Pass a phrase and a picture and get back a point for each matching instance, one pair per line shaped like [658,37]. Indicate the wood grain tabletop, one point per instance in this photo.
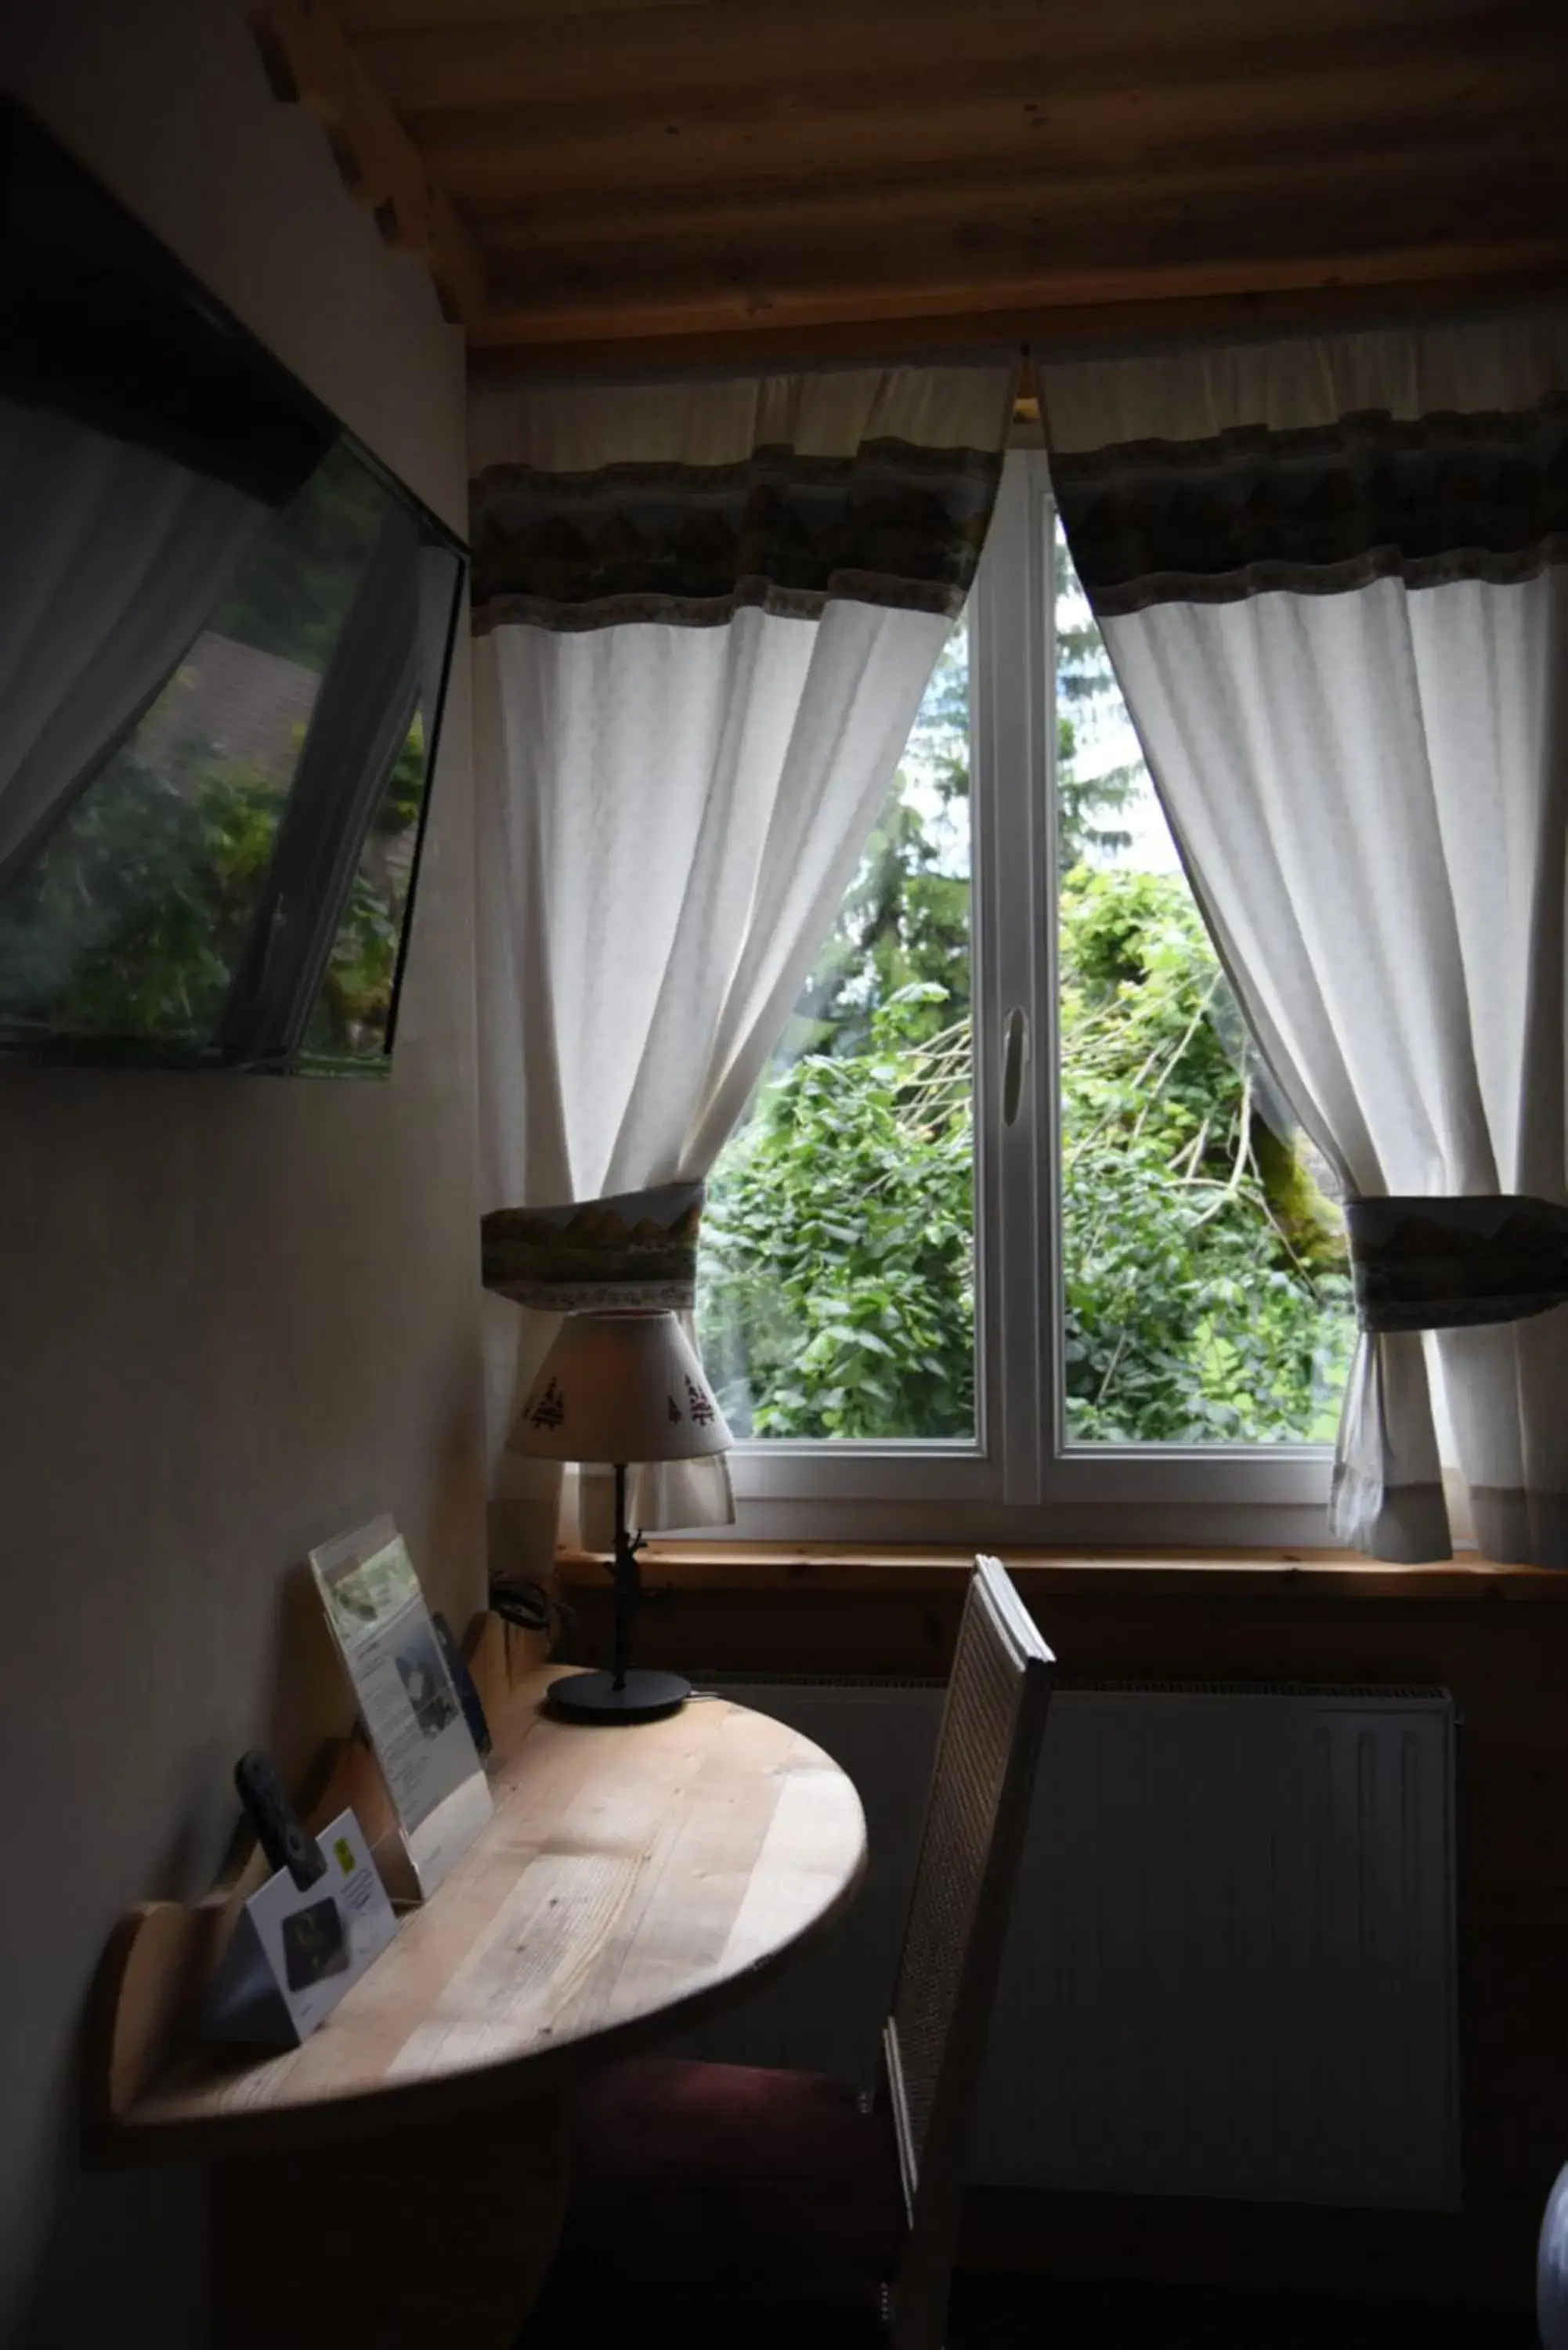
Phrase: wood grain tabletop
[633,1878]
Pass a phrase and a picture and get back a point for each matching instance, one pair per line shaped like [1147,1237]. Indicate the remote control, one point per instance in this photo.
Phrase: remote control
[282,1836]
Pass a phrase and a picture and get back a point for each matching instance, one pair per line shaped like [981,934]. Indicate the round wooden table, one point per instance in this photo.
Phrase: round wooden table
[633,1878]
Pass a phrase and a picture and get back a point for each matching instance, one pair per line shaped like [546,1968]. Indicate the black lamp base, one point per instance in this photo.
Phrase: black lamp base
[644,1695]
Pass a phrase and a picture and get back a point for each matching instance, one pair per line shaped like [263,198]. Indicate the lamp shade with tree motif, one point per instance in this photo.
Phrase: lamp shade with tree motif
[619,1388]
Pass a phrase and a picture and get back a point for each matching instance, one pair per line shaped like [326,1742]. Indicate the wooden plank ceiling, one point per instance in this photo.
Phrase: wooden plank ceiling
[697,174]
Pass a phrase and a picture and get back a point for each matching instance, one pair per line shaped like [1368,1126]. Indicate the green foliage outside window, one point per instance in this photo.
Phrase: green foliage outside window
[1205,1291]
[838,1259]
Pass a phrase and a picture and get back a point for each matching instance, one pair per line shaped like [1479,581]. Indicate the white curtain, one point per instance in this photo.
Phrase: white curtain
[1335,596]
[111,557]
[670,808]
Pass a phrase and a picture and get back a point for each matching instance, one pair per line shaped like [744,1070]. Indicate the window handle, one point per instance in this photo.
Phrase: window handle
[1014,1061]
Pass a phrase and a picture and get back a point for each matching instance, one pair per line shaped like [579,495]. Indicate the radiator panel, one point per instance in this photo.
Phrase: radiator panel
[1230,1970]
[1230,1966]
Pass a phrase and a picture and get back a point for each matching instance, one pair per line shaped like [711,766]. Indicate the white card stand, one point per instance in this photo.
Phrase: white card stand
[293,1953]
[446,1833]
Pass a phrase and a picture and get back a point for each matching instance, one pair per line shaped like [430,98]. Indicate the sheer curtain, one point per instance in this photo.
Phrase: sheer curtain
[111,557]
[1330,576]
[705,616]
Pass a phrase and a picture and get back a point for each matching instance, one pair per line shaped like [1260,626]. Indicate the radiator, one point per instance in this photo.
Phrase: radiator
[1230,1969]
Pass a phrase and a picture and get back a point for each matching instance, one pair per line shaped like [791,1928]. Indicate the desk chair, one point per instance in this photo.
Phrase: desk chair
[722,2203]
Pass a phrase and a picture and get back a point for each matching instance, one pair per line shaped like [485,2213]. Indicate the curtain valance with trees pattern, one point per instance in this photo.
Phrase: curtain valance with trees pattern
[779,493]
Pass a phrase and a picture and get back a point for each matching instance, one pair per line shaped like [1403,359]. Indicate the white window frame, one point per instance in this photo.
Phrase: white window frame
[1018,1480]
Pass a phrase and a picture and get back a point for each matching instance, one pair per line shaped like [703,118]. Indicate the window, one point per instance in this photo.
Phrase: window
[1017,1239]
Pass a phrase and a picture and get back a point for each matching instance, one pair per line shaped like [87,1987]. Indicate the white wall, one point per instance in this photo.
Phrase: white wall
[238,1314]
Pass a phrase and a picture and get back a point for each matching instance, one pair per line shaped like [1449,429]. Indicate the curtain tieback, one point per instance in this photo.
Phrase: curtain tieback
[1448,1263]
[638,1249]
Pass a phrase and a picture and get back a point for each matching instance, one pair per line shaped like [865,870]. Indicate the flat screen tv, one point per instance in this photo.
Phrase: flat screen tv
[225,632]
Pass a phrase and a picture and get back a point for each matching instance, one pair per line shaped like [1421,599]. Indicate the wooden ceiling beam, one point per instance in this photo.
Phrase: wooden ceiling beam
[1063,23]
[721,309]
[492,159]
[358,16]
[309,62]
[1061,327]
[674,55]
[1448,175]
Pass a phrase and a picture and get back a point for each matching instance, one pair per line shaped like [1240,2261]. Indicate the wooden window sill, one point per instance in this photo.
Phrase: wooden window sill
[1202,1575]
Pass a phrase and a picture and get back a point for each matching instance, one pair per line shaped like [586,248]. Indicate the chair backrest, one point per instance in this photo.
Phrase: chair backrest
[934,2040]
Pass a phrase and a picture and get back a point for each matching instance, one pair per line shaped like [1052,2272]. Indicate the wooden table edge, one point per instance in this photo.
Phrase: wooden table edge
[122,2140]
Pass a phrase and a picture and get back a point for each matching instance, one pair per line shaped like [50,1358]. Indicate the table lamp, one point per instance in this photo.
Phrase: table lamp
[620,1387]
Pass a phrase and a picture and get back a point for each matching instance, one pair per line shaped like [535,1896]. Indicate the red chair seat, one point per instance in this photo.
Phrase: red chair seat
[730,2192]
